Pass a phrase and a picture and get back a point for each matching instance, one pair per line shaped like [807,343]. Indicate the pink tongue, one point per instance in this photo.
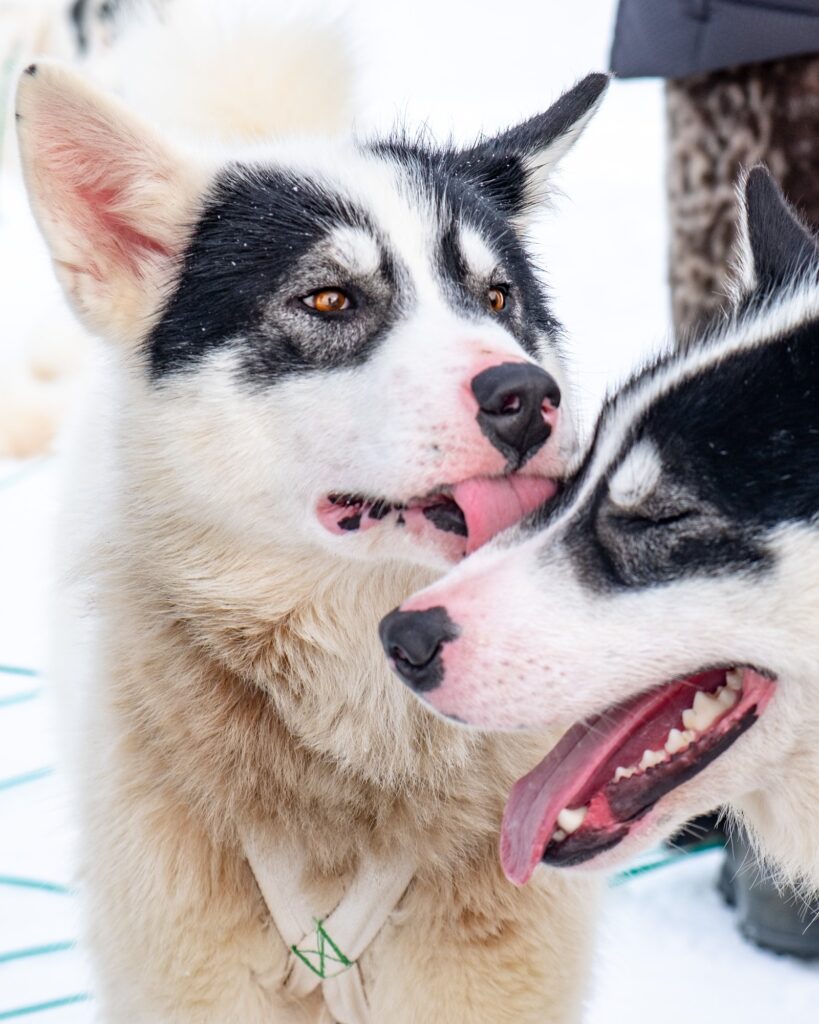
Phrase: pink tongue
[493,504]
[558,781]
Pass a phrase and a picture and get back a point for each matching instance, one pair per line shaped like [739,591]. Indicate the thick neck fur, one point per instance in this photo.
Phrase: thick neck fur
[275,654]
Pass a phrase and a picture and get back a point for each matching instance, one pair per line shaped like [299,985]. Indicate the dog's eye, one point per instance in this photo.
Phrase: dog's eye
[638,520]
[328,300]
[496,297]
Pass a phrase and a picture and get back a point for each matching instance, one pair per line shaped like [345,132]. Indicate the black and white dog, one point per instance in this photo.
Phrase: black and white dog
[331,372]
[668,602]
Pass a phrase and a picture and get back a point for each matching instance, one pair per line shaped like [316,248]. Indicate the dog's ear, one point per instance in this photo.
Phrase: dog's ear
[774,246]
[513,168]
[115,204]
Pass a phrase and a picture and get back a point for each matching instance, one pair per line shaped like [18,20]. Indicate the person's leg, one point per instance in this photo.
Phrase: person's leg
[719,124]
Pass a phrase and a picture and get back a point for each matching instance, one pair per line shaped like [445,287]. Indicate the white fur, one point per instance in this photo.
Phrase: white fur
[636,476]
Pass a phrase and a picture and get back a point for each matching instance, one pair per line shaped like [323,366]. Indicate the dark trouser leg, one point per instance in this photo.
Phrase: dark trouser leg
[719,124]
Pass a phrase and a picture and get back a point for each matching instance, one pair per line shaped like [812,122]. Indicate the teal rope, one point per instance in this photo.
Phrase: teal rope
[14,882]
[26,695]
[19,698]
[16,670]
[661,862]
[26,954]
[55,1004]
[22,780]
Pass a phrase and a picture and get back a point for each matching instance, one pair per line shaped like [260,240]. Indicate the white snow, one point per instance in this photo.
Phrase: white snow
[668,949]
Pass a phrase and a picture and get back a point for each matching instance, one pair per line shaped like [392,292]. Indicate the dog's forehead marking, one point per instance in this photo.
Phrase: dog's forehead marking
[476,252]
[637,475]
[356,249]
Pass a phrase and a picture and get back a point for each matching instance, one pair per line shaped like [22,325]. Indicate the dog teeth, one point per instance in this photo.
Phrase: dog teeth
[733,679]
[704,712]
[676,742]
[727,697]
[570,819]
[651,758]
[706,709]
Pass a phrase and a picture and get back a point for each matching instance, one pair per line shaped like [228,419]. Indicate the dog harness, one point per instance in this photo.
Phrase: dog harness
[325,949]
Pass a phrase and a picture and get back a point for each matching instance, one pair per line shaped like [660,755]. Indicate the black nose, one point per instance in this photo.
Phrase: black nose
[413,640]
[511,398]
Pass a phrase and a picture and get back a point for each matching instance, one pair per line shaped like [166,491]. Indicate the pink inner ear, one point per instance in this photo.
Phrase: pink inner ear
[113,232]
[103,179]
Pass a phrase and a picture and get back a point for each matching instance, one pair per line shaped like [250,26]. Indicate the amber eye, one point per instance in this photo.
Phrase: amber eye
[496,298]
[328,300]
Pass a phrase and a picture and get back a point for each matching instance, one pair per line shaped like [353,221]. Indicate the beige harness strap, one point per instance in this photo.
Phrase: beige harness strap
[325,950]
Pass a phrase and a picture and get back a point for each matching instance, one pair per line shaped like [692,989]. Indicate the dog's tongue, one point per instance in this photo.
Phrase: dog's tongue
[563,779]
[493,504]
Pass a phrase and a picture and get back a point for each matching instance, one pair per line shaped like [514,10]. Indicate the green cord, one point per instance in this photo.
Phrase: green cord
[54,1004]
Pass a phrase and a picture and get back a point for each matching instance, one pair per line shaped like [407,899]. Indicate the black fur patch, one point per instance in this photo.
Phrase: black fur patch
[258,228]
[739,446]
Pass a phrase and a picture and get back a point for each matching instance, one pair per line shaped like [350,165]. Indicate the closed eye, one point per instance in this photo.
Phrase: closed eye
[638,519]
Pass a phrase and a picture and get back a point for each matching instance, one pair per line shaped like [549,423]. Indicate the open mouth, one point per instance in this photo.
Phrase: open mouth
[471,512]
[607,773]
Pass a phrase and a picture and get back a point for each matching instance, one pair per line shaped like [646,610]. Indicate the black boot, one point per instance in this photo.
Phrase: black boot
[774,918]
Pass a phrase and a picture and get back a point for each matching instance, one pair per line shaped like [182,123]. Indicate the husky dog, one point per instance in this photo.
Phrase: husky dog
[331,373]
[668,602]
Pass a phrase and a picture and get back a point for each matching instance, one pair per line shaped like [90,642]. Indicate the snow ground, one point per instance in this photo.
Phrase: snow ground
[667,949]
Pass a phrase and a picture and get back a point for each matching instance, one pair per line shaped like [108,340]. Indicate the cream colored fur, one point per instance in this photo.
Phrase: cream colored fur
[223,675]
